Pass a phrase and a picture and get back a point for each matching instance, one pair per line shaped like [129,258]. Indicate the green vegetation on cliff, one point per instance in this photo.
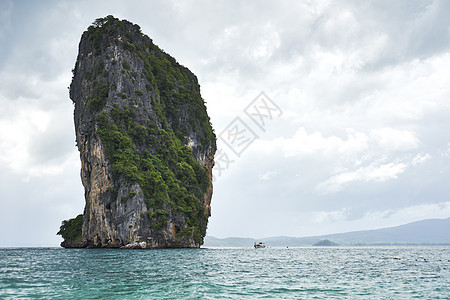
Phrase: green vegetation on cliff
[70,229]
[175,87]
[167,172]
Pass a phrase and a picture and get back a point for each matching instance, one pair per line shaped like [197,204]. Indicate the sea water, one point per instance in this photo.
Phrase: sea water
[272,273]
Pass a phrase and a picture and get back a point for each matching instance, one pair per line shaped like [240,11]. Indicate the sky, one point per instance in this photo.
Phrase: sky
[331,116]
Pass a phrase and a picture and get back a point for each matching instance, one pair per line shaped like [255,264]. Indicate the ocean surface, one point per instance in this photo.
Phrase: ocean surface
[236,273]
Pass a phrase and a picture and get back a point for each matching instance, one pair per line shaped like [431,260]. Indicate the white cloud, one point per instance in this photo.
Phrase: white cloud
[36,127]
[420,159]
[266,45]
[267,175]
[260,47]
[315,143]
[376,172]
[394,140]
[354,145]
[21,137]
[445,152]
[330,216]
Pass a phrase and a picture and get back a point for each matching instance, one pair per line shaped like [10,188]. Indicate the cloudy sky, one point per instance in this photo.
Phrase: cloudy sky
[355,110]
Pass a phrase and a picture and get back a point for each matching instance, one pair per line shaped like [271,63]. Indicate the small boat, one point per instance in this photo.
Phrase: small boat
[259,245]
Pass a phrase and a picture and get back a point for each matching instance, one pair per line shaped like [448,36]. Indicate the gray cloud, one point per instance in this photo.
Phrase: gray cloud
[363,86]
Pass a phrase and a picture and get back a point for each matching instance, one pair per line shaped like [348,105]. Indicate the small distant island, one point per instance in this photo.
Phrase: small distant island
[325,243]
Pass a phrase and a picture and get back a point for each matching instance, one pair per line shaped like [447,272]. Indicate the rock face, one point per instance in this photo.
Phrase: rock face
[145,140]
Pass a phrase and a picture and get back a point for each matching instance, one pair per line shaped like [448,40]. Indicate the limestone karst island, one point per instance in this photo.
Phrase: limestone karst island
[146,144]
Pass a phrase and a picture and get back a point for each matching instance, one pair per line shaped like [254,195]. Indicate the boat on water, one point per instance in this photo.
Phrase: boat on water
[259,245]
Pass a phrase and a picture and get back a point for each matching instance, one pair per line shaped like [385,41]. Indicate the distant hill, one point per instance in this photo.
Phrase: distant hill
[325,243]
[432,231]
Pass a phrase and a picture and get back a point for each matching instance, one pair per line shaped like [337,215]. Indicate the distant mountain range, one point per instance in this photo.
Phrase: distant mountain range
[426,232]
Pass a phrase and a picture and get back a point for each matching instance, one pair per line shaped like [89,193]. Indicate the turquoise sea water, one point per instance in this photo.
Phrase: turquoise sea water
[273,273]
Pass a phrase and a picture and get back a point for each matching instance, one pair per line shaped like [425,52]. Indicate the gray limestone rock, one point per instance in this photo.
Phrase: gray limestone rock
[145,141]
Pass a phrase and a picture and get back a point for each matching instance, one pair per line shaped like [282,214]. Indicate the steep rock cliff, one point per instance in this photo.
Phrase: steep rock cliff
[145,141]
